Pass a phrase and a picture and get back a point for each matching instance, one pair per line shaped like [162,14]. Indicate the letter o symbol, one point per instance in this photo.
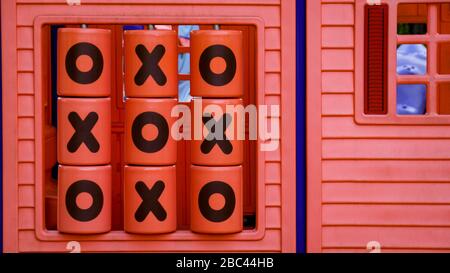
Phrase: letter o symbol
[230,201]
[94,53]
[150,146]
[205,70]
[84,215]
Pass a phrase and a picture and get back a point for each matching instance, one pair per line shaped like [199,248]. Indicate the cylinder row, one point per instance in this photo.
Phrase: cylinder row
[151,88]
[216,170]
[84,130]
[150,151]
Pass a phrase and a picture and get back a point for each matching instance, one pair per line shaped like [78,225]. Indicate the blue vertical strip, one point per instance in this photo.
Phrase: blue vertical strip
[301,125]
[1,150]
[54,76]
[54,70]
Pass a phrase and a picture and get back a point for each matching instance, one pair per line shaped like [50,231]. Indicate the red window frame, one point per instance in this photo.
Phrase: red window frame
[431,78]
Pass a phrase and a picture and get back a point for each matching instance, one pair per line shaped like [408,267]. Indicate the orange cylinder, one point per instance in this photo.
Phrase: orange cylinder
[84,131]
[217,147]
[151,63]
[84,199]
[150,199]
[217,63]
[84,62]
[148,139]
[216,199]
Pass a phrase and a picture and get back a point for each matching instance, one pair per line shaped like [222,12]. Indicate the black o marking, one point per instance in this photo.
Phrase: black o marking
[90,187]
[140,142]
[205,70]
[203,201]
[97,63]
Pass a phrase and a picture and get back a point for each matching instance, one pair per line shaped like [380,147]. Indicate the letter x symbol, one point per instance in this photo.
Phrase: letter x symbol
[83,132]
[223,143]
[150,65]
[150,201]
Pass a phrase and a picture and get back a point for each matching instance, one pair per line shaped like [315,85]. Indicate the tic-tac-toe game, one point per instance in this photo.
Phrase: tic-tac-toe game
[232,127]
[149,126]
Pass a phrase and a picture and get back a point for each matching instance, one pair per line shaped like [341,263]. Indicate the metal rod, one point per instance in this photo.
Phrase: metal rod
[216,27]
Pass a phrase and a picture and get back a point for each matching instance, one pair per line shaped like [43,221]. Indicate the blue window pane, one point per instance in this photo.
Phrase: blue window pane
[411,99]
[412,59]
[184,91]
[133,27]
[184,63]
[184,31]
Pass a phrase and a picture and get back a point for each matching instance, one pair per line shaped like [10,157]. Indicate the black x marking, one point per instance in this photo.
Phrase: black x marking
[150,201]
[83,132]
[223,142]
[150,65]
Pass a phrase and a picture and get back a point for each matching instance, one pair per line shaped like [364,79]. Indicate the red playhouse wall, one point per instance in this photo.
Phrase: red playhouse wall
[30,141]
[375,182]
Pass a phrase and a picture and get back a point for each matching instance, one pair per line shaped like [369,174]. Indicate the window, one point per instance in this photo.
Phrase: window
[251,206]
[184,85]
[411,60]
[406,78]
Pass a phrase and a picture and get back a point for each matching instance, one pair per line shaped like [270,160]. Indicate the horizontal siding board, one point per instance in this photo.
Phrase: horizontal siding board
[387,193]
[26,196]
[345,127]
[25,60]
[25,37]
[25,83]
[273,217]
[273,100]
[337,59]
[25,106]
[337,37]
[391,237]
[26,174]
[25,151]
[273,38]
[270,13]
[26,218]
[386,215]
[273,61]
[337,82]
[272,83]
[274,155]
[385,170]
[386,149]
[273,195]
[25,128]
[337,14]
[273,172]
[273,127]
[337,104]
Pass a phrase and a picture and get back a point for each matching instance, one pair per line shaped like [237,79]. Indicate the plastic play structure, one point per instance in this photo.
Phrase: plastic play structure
[91,88]
[89,91]
[378,134]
